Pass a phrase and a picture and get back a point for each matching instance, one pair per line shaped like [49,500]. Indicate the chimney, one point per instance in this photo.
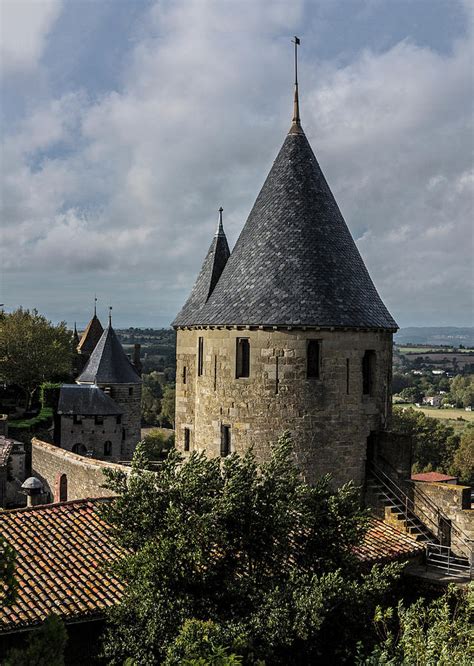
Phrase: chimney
[33,489]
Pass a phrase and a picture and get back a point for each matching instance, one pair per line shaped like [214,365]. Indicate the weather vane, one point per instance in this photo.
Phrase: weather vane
[296,109]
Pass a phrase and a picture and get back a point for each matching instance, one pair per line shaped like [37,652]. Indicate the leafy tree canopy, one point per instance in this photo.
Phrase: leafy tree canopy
[463,459]
[33,350]
[253,550]
[438,633]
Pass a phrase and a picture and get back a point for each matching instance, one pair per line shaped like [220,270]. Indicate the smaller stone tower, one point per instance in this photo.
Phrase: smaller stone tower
[109,368]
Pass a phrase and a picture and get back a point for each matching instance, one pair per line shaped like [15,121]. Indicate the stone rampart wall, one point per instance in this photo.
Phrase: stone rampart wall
[85,476]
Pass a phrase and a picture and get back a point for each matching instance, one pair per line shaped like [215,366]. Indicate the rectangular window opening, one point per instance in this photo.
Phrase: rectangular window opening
[368,372]
[242,358]
[99,420]
[184,374]
[347,375]
[225,441]
[313,359]
[200,356]
[215,372]
[187,439]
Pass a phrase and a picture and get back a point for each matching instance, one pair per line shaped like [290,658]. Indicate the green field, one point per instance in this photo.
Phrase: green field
[409,349]
[444,414]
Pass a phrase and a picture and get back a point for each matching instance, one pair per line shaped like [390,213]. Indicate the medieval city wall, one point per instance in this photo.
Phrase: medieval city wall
[85,476]
[329,417]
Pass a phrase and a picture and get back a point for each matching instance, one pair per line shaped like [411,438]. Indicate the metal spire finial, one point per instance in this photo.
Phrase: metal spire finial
[110,315]
[296,124]
[95,305]
[220,226]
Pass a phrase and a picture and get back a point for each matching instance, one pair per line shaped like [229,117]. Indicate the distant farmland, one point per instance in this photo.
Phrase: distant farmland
[442,414]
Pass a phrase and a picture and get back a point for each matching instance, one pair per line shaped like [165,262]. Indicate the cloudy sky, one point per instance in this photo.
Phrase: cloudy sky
[127,123]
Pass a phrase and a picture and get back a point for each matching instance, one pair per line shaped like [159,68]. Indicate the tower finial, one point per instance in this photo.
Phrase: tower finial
[296,124]
[220,226]
[110,315]
[95,305]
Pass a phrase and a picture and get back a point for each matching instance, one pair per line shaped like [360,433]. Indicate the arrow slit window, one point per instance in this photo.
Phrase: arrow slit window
[242,358]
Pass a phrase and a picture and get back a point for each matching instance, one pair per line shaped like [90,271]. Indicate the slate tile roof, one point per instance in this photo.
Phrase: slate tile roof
[209,275]
[108,363]
[91,336]
[383,543]
[295,262]
[61,550]
[86,400]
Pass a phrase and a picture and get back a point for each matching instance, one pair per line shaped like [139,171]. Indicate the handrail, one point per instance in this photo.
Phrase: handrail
[434,507]
[407,501]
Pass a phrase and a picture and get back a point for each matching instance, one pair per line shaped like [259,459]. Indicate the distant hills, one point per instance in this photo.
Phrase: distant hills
[436,335]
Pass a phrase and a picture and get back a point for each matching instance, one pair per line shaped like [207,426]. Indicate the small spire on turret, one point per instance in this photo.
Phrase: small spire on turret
[110,315]
[76,335]
[220,226]
[95,305]
[296,122]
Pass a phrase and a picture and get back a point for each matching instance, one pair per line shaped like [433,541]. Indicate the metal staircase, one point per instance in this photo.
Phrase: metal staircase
[421,524]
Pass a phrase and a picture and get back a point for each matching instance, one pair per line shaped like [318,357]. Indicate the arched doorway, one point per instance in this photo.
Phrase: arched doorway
[80,449]
[60,488]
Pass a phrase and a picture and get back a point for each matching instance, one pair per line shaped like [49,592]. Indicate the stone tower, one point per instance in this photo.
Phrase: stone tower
[109,369]
[86,345]
[287,332]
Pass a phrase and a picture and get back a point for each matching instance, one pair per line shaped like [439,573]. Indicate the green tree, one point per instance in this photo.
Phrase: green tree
[33,350]
[156,444]
[201,644]
[461,391]
[253,549]
[438,633]
[44,646]
[463,458]
[433,441]
[168,405]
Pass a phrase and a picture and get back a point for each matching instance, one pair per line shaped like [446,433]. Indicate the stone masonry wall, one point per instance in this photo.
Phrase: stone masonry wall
[454,502]
[92,435]
[329,417]
[85,476]
[129,397]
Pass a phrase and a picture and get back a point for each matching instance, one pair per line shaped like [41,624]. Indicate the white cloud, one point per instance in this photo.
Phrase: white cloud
[132,181]
[25,25]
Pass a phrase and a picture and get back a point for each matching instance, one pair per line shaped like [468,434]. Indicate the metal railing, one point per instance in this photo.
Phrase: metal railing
[442,558]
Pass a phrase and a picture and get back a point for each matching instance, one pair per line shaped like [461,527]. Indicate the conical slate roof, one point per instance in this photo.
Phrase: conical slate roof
[209,275]
[108,363]
[295,262]
[91,336]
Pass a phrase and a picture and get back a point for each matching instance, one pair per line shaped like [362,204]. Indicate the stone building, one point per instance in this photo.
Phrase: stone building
[109,370]
[287,332]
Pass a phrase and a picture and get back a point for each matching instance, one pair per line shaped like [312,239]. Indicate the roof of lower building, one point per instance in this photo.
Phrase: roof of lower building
[295,262]
[86,400]
[91,336]
[433,477]
[108,363]
[384,543]
[61,551]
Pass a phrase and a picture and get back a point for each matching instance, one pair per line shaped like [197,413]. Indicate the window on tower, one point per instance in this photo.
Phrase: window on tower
[368,372]
[313,359]
[225,441]
[242,358]
[107,448]
[187,439]
[200,356]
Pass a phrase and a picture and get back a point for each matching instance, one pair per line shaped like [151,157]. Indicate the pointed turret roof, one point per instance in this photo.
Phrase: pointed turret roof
[207,279]
[108,363]
[91,336]
[295,262]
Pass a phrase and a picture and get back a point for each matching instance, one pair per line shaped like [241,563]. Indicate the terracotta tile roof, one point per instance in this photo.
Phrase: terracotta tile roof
[383,543]
[61,549]
[433,477]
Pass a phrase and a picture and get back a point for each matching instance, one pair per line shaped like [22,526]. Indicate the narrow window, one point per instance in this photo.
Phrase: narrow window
[184,374]
[277,378]
[313,359]
[99,420]
[107,448]
[225,441]
[368,372]
[77,420]
[347,375]
[123,434]
[242,358]
[200,356]
[187,439]
[130,391]
[119,419]
[215,372]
